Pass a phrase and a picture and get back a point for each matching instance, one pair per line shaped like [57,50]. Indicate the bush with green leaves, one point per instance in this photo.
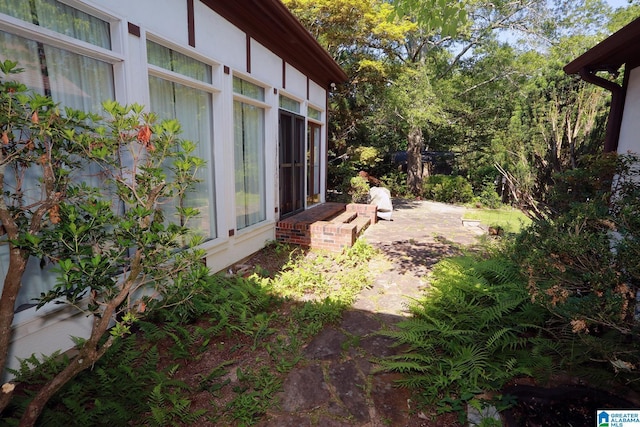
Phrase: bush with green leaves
[447,189]
[359,190]
[214,296]
[474,330]
[592,179]
[107,238]
[488,197]
[396,183]
[582,265]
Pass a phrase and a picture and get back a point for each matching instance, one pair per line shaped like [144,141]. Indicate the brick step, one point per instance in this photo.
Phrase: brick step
[344,217]
[361,223]
[328,226]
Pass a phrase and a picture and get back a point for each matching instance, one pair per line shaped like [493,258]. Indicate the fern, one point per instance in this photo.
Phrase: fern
[112,393]
[38,370]
[474,330]
[152,331]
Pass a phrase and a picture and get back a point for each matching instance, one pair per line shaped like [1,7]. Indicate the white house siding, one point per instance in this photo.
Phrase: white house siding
[317,95]
[223,46]
[265,65]
[296,81]
[630,127]
[218,38]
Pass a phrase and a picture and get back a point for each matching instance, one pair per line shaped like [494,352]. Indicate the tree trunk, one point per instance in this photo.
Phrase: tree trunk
[414,161]
[91,351]
[12,282]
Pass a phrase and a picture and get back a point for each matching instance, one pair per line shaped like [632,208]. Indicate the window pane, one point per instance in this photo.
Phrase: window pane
[193,109]
[17,9]
[62,18]
[73,80]
[314,114]
[174,61]
[249,164]
[248,89]
[289,104]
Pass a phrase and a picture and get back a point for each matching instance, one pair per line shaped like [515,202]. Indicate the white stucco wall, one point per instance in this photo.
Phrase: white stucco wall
[317,96]
[218,39]
[296,82]
[167,17]
[265,65]
[630,129]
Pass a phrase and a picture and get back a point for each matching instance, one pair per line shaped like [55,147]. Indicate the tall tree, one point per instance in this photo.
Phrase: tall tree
[412,102]
[362,36]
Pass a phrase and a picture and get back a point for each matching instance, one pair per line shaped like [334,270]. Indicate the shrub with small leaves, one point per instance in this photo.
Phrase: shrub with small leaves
[582,265]
[359,190]
[447,189]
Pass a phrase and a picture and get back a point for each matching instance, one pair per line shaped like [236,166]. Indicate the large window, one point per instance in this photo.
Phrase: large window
[191,103]
[53,67]
[61,18]
[249,151]
[313,163]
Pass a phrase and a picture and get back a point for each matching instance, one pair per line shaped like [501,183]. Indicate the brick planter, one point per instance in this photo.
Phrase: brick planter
[330,226]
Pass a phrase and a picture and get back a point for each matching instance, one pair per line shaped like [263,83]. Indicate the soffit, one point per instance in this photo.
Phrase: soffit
[270,23]
[620,48]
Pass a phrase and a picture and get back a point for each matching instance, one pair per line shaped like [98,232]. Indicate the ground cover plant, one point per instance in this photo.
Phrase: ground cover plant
[211,354]
[475,330]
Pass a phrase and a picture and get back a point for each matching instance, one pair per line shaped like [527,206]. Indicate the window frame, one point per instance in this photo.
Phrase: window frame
[266,109]
[115,57]
[213,90]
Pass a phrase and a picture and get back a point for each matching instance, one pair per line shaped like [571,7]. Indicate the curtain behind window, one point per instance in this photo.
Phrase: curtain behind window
[249,164]
[71,80]
[193,109]
[61,18]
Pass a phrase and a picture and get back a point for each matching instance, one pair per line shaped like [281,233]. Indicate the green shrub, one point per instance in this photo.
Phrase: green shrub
[592,179]
[396,183]
[474,330]
[488,196]
[221,299]
[339,175]
[359,190]
[582,265]
[447,189]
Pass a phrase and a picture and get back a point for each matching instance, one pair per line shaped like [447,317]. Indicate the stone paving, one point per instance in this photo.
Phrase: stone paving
[337,384]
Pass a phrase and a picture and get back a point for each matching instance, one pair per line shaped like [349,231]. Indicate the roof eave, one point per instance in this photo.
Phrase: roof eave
[610,54]
[271,24]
